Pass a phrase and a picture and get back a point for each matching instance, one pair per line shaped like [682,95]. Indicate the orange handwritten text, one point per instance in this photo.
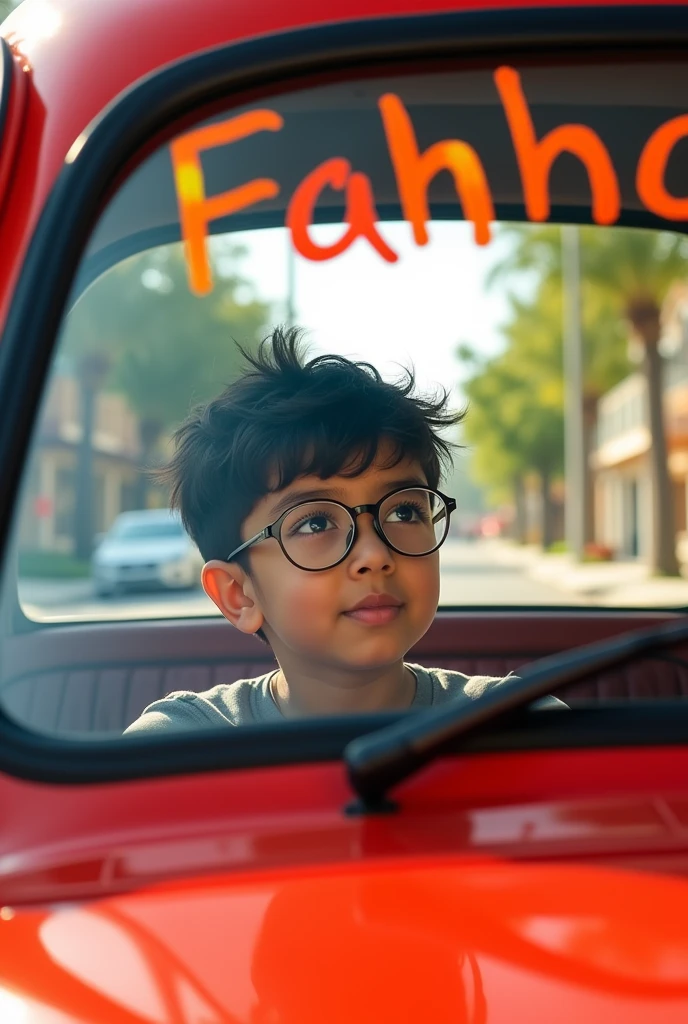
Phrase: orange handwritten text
[535,158]
[360,213]
[195,209]
[652,166]
[414,172]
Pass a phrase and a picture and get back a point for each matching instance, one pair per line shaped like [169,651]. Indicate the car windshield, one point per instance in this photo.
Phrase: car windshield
[487,323]
[388,345]
[145,531]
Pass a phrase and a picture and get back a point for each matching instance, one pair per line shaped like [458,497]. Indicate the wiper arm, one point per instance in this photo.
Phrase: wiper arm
[380,760]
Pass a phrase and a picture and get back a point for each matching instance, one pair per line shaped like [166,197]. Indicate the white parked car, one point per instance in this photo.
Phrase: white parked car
[147,548]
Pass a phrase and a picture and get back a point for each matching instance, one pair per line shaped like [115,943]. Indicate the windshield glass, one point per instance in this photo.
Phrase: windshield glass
[487,323]
[387,346]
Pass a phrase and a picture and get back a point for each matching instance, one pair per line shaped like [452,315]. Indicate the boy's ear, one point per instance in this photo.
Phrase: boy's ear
[230,588]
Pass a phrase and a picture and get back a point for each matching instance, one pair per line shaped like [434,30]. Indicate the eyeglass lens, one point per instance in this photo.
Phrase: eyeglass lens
[318,534]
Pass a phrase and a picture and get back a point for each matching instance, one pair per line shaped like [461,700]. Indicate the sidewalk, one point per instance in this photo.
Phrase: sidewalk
[624,584]
[51,592]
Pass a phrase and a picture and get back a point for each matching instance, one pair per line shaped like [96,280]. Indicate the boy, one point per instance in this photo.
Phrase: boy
[310,488]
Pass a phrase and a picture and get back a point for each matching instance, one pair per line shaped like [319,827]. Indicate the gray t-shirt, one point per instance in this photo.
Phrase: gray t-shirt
[250,702]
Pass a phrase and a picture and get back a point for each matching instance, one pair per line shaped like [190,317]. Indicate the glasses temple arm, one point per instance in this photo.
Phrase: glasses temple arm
[449,507]
[247,543]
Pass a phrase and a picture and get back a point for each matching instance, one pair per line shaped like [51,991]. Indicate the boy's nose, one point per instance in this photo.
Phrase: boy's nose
[369,553]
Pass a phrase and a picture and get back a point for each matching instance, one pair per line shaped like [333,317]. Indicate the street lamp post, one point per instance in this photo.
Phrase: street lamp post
[291,282]
[574,430]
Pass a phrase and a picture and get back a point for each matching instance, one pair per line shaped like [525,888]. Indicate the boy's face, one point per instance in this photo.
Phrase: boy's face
[308,617]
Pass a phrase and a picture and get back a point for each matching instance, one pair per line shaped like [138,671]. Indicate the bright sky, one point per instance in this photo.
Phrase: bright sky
[416,310]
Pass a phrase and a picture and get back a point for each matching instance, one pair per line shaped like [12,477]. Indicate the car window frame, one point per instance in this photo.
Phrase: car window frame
[150,111]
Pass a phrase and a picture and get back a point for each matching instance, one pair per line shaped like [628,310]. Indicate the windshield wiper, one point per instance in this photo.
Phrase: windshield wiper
[380,760]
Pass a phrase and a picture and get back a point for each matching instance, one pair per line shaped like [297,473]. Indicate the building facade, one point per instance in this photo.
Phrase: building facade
[48,511]
[620,463]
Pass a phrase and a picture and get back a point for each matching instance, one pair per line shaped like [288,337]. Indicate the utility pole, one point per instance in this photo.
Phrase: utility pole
[574,430]
[291,282]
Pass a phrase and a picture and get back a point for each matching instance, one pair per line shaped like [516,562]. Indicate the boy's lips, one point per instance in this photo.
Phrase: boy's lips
[375,609]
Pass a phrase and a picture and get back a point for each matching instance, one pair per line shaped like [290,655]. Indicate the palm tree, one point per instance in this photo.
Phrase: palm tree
[638,267]
[515,421]
[631,270]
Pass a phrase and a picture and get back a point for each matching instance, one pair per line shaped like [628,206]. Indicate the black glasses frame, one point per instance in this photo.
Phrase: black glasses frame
[275,529]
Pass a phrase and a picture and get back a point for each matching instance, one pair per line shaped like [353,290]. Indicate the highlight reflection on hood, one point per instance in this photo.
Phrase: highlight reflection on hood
[442,943]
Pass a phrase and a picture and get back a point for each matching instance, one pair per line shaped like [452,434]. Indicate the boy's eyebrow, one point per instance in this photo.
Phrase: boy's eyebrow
[334,494]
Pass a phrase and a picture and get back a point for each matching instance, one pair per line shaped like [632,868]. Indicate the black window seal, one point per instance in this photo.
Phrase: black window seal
[7,73]
[34,757]
[61,235]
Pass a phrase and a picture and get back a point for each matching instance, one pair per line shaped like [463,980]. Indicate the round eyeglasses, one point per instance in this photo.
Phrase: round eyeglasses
[316,535]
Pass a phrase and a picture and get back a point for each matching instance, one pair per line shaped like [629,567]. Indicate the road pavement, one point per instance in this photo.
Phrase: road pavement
[484,573]
[472,573]
[76,601]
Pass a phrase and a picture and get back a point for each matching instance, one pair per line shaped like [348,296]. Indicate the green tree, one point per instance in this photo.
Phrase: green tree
[629,271]
[6,7]
[517,399]
[190,351]
[138,330]
[498,460]
[604,335]
[515,415]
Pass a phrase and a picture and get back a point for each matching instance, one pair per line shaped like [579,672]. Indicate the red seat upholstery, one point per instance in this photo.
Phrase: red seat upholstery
[100,678]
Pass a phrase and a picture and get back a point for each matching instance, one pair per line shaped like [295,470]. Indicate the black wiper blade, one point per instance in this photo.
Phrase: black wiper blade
[380,760]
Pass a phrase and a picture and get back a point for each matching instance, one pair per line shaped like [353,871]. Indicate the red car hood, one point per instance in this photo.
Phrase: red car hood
[426,942]
[548,886]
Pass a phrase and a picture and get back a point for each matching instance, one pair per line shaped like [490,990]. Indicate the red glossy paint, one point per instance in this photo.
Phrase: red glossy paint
[72,842]
[533,886]
[475,942]
[512,881]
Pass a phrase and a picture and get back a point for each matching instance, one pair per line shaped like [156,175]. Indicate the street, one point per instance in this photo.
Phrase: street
[482,572]
[472,573]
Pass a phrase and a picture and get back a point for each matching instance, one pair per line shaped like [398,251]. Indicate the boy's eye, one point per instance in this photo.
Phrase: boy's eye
[313,524]
[407,513]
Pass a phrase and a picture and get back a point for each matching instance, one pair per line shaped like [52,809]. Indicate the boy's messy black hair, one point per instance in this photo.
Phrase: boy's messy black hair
[287,417]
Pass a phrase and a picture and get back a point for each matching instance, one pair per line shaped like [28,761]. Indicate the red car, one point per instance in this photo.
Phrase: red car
[481,864]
